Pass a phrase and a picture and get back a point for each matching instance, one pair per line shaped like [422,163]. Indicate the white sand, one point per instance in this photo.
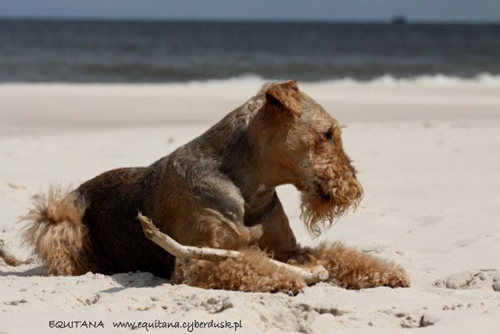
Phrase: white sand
[428,156]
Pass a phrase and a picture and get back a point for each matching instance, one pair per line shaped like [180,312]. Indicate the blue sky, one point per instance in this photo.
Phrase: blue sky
[359,10]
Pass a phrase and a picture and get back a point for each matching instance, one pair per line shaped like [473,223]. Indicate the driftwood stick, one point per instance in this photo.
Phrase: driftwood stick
[310,275]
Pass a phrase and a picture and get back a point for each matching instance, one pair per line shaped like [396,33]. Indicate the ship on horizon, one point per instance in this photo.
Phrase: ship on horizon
[399,20]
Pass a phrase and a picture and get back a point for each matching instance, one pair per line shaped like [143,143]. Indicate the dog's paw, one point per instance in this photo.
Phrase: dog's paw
[392,276]
[400,280]
[396,278]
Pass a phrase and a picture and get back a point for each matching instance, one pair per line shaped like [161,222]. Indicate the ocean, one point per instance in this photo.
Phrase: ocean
[87,51]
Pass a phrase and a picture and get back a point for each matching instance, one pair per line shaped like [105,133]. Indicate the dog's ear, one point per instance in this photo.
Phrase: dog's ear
[285,96]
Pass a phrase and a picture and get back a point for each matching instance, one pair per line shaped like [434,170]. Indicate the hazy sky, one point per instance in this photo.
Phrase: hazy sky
[417,10]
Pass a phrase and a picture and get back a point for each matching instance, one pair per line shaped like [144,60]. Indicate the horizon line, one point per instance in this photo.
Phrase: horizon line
[247,20]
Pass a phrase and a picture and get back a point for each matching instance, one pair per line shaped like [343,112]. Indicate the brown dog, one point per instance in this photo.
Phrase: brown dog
[218,191]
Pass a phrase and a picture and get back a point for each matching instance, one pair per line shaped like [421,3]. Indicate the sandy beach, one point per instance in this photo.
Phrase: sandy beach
[428,156]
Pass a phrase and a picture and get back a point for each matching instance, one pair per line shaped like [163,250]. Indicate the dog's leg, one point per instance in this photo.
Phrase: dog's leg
[353,269]
[233,259]
[250,272]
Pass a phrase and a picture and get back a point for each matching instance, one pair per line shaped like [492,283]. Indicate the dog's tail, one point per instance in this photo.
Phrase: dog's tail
[57,234]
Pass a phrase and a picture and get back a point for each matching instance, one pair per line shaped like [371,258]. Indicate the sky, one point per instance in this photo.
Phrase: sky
[308,10]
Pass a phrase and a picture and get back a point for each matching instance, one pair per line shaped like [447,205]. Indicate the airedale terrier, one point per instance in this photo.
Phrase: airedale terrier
[219,191]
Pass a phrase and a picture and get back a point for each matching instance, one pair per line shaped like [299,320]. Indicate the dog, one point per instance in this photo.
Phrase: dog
[219,191]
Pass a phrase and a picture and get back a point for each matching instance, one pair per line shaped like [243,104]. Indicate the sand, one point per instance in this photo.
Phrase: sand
[428,155]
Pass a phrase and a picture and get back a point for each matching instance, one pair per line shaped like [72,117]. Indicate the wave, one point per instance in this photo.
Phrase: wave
[436,79]
[388,79]
[253,80]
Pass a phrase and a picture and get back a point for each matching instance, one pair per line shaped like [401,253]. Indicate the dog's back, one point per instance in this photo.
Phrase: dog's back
[94,228]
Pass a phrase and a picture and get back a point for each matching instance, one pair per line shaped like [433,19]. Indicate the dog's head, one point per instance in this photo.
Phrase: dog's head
[306,144]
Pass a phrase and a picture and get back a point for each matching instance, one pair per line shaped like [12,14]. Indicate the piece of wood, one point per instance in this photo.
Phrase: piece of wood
[311,275]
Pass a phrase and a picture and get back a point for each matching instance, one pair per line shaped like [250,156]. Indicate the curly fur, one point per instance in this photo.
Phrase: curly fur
[251,272]
[335,190]
[352,269]
[57,234]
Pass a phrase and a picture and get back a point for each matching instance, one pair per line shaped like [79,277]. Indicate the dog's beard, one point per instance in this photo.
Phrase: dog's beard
[329,199]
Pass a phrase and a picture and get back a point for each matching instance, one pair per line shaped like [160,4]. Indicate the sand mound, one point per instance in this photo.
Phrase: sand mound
[470,279]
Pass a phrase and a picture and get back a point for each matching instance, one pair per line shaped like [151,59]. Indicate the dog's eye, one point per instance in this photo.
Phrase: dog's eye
[329,135]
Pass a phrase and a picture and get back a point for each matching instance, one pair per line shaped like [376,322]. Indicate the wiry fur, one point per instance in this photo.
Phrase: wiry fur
[251,272]
[218,191]
[318,208]
[334,188]
[57,234]
[351,269]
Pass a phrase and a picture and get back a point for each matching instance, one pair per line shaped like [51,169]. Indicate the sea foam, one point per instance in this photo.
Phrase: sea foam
[387,79]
